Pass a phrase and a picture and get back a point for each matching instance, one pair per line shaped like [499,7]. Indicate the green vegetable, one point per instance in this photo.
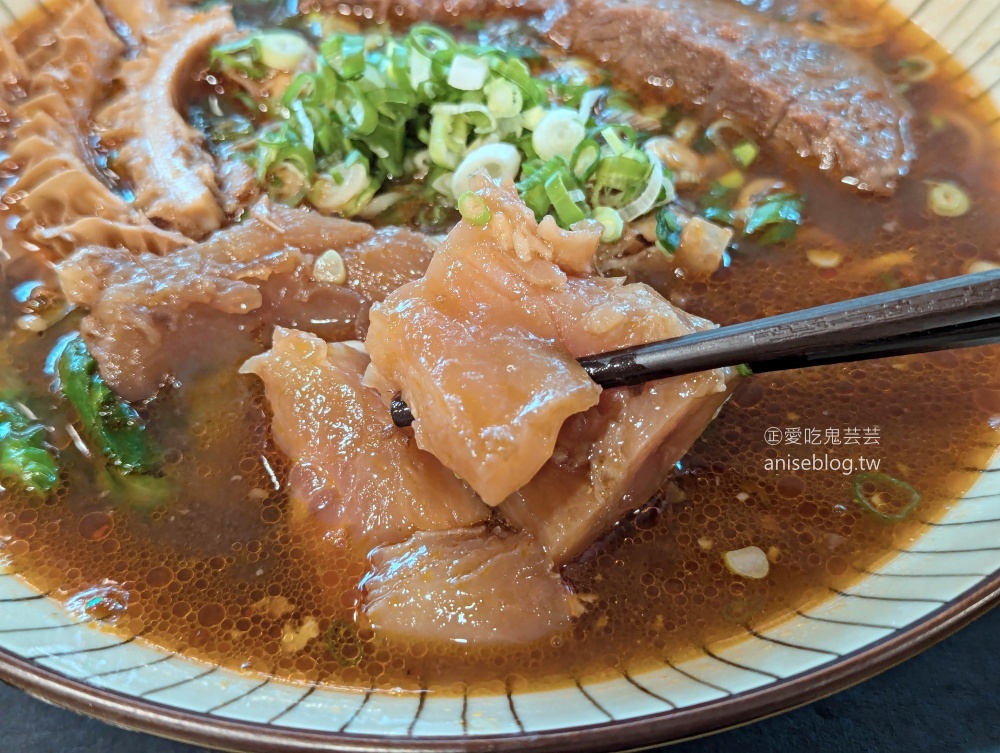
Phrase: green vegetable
[885,497]
[777,215]
[668,230]
[473,209]
[744,370]
[110,423]
[23,453]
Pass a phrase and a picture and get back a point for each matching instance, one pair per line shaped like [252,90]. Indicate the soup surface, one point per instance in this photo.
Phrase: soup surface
[216,564]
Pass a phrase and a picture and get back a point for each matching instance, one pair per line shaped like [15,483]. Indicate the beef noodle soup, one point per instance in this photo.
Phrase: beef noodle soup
[232,233]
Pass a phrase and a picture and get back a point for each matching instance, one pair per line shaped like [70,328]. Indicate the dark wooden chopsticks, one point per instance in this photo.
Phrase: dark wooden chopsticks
[958,312]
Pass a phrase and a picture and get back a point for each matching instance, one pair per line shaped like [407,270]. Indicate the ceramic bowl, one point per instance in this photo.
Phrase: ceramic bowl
[949,575]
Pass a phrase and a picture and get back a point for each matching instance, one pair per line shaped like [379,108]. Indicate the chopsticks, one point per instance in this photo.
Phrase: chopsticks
[958,312]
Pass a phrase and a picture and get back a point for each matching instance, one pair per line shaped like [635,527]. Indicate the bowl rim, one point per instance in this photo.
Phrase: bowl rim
[660,728]
[667,727]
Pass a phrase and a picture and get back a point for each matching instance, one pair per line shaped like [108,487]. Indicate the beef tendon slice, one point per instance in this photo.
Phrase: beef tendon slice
[469,586]
[474,349]
[612,459]
[355,472]
[146,311]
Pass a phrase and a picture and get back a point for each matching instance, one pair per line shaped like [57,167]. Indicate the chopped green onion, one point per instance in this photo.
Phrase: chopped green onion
[333,191]
[568,212]
[356,112]
[282,50]
[612,221]
[532,185]
[558,134]
[744,370]
[885,497]
[715,134]
[345,54]
[467,73]
[344,644]
[948,199]
[533,117]
[585,159]
[619,178]
[499,160]
[242,56]
[732,180]
[668,230]
[430,41]
[916,68]
[515,71]
[779,213]
[504,98]
[745,153]
[473,209]
[24,455]
[620,138]
[647,199]
[420,69]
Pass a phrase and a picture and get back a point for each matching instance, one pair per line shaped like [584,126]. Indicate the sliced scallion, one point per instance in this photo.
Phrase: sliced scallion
[473,209]
[241,56]
[644,202]
[283,50]
[585,159]
[948,199]
[467,73]
[733,180]
[885,497]
[499,160]
[776,215]
[612,222]
[558,134]
[745,153]
[619,138]
[619,178]
[345,54]
[567,211]
[503,98]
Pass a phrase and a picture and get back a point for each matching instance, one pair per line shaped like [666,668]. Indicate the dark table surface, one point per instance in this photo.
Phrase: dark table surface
[947,699]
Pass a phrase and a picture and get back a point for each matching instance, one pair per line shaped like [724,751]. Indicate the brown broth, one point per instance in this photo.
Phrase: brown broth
[222,574]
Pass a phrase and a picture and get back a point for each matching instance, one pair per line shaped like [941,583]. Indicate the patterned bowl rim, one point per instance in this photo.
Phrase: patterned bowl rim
[713,716]
[734,709]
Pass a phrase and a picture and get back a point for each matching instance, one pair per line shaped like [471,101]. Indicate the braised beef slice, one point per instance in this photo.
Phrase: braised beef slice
[807,96]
